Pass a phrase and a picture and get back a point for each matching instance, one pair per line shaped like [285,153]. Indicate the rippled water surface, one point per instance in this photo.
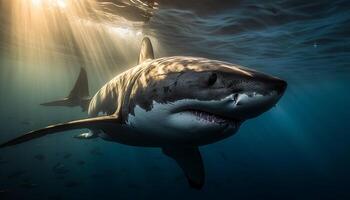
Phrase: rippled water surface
[300,149]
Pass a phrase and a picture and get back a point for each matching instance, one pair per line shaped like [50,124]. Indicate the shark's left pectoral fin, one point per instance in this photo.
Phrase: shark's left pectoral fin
[190,160]
[98,123]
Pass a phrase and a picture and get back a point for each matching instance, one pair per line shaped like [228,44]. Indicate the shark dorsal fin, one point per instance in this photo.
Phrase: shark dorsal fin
[146,51]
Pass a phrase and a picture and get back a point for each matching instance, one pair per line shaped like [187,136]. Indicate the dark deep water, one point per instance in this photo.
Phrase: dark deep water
[298,150]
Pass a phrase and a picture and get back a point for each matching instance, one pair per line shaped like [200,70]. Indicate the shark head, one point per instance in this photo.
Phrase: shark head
[198,101]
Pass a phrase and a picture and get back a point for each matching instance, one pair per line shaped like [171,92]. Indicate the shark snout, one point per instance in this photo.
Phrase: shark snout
[265,84]
[278,85]
[259,96]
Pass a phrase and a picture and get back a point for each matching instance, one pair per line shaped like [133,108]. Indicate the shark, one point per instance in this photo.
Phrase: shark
[177,104]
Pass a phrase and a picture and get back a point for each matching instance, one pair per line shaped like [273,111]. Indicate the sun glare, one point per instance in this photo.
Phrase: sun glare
[37,3]
[121,31]
[60,31]
[62,4]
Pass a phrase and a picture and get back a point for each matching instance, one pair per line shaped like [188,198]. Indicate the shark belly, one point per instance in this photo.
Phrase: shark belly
[161,127]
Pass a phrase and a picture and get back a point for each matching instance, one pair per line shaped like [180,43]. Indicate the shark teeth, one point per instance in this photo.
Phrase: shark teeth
[210,117]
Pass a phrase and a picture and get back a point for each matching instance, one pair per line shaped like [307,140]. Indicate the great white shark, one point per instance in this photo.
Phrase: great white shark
[174,103]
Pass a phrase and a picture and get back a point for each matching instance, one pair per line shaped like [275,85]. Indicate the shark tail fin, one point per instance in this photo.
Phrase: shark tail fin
[91,123]
[81,87]
[146,51]
[78,96]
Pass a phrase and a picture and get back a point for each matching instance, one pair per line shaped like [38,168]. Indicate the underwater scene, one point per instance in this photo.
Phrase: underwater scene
[144,99]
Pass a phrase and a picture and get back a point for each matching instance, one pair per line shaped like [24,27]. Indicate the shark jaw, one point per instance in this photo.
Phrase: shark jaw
[209,118]
[195,122]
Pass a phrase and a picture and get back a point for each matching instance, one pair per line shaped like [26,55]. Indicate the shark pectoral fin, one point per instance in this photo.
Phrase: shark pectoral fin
[101,123]
[190,160]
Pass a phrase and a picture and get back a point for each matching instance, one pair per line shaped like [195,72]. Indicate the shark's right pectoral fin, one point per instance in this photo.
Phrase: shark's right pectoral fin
[190,161]
[98,123]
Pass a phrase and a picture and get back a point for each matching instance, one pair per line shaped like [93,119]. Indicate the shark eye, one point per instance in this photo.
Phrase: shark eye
[212,79]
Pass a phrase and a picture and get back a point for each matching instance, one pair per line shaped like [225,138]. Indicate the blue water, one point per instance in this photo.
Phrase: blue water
[300,149]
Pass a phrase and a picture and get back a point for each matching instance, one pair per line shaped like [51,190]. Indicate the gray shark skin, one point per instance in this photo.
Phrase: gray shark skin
[175,103]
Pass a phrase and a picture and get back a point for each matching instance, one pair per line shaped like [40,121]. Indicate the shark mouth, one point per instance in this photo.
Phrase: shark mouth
[208,117]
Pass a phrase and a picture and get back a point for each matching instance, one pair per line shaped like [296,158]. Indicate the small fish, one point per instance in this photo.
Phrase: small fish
[16,174]
[81,162]
[40,157]
[59,168]
[57,165]
[67,155]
